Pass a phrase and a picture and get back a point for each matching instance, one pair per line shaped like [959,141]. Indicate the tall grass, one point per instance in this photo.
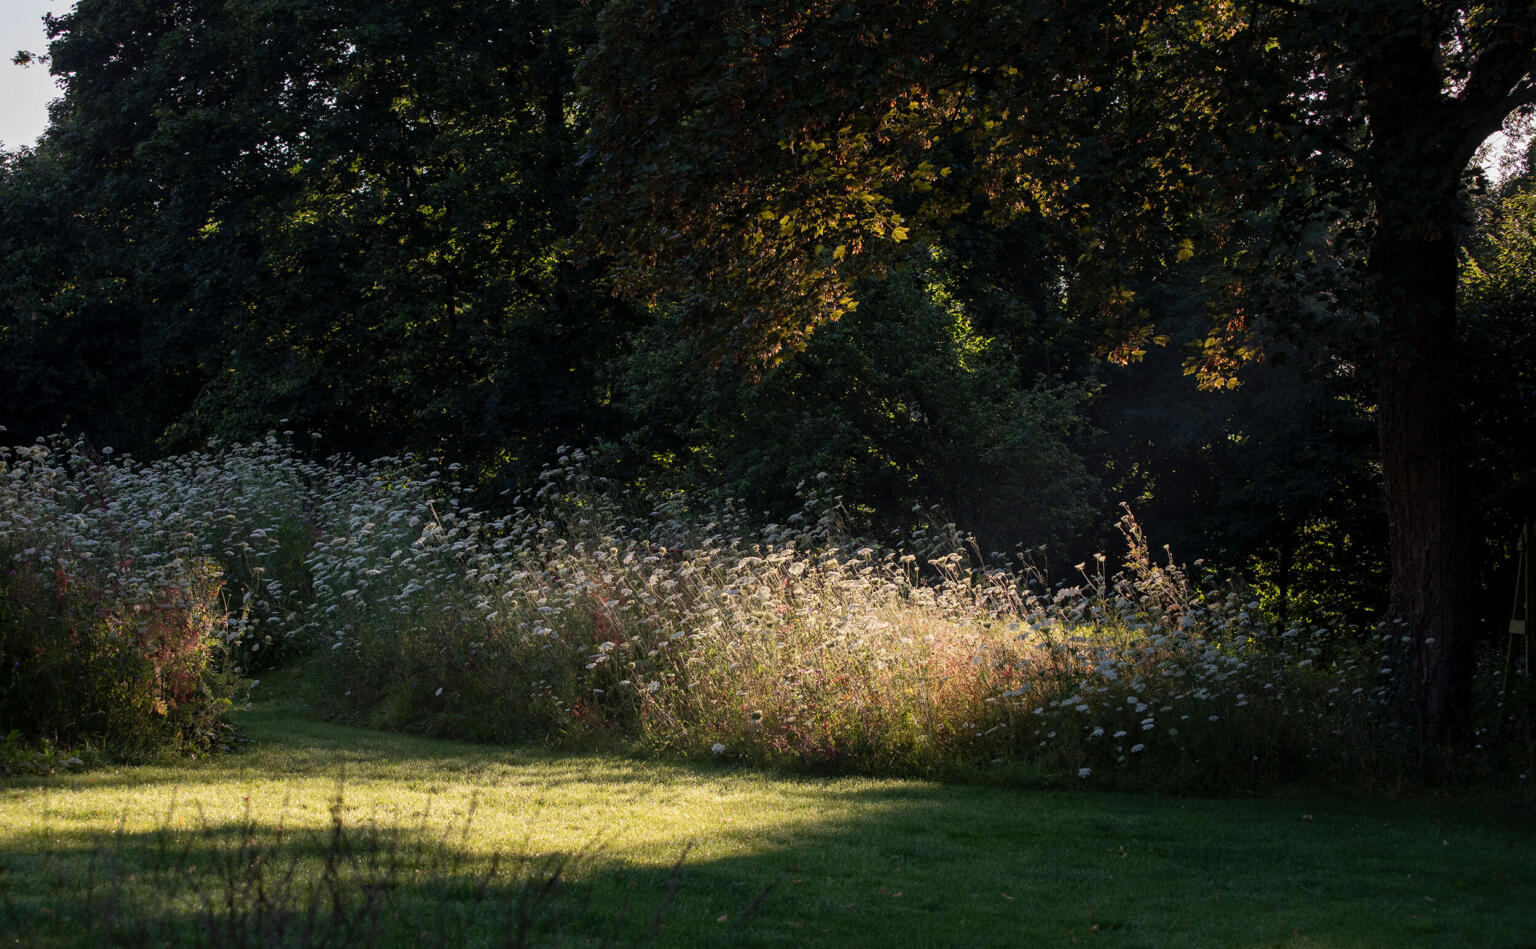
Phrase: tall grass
[695,635]
[573,619]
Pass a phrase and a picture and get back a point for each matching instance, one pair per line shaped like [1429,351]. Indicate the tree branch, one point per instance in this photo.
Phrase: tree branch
[1484,123]
[1500,80]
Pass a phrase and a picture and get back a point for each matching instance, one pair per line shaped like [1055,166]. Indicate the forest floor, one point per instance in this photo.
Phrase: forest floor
[324,834]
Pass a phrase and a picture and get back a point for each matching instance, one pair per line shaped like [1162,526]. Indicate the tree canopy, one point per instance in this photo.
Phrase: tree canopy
[313,212]
[799,148]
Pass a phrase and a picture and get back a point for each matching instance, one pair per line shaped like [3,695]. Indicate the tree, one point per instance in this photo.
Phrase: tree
[1273,477]
[756,158]
[898,408]
[1498,318]
[349,217]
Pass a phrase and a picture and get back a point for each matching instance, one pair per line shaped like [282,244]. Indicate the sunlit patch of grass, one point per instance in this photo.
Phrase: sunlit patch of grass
[771,859]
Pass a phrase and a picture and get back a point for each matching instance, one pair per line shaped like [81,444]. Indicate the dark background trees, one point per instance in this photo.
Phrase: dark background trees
[1004,263]
[348,217]
[903,408]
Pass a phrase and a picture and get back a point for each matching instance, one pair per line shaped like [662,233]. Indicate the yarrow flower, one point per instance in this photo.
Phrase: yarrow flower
[717,748]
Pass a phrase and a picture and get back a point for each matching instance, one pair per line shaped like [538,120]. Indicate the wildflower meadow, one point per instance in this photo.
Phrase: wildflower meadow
[140,599]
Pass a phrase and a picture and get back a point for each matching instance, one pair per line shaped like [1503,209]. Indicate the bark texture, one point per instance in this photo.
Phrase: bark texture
[1417,161]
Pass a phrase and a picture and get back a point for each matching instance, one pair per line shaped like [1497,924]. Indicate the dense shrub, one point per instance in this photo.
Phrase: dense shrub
[87,663]
[105,642]
[127,591]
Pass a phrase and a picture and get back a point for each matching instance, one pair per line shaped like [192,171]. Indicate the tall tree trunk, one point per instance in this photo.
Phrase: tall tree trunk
[1421,465]
[1415,174]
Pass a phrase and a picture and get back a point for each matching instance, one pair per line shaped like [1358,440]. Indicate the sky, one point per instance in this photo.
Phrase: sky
[25,92]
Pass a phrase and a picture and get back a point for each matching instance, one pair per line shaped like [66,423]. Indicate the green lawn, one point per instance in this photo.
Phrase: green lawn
[770,859]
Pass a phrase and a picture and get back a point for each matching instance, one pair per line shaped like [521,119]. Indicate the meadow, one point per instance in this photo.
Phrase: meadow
[686,728]
[320,834]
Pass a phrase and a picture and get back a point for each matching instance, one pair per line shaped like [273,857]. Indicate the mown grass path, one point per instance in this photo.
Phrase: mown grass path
[806,861]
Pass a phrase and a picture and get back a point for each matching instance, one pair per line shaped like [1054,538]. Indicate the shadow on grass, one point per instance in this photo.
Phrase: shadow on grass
[248,883]
[847,863]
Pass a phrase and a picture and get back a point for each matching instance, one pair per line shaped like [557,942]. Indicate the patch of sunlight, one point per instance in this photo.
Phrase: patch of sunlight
[491,801]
